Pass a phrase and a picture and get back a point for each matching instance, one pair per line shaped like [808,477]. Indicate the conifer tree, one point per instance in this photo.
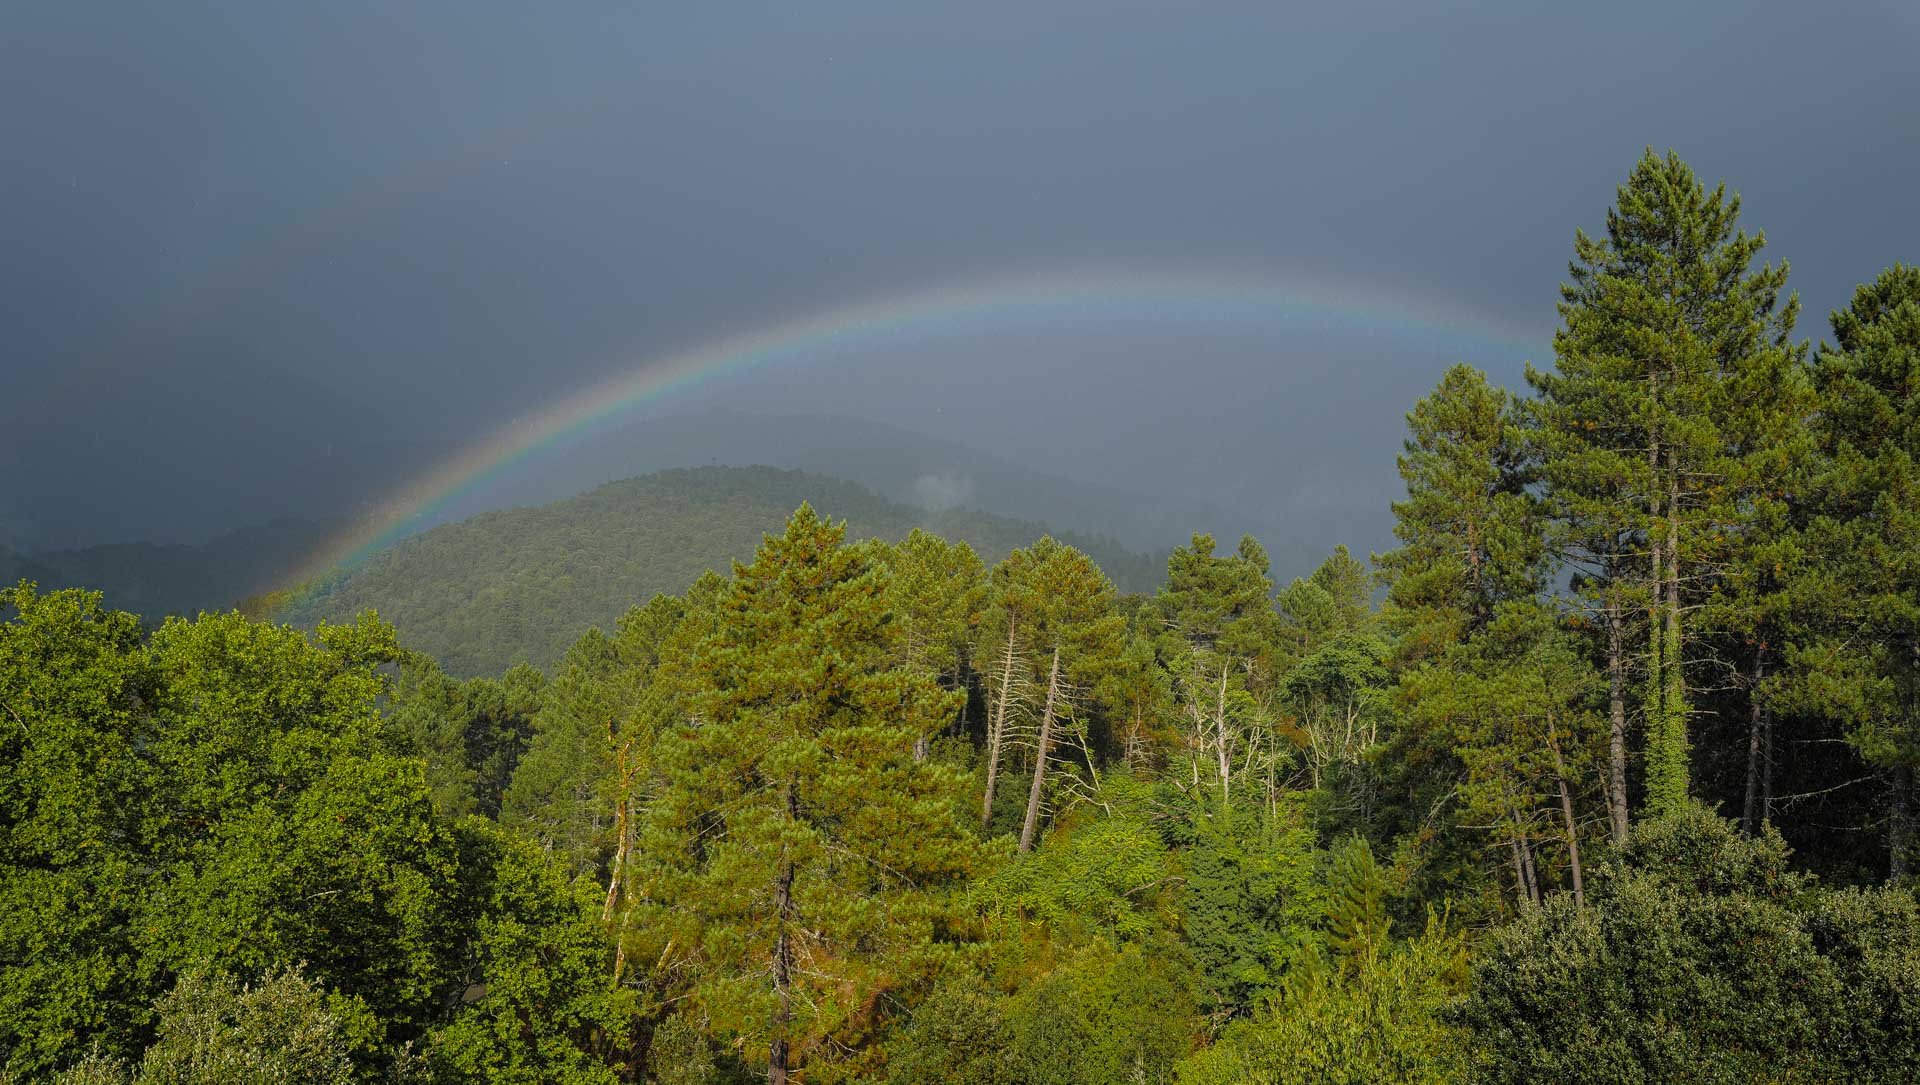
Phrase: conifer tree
[796,835]
[936,590]
[1862,594]
[1664,316]
[1220,626]
[1469,530]
[1073,621]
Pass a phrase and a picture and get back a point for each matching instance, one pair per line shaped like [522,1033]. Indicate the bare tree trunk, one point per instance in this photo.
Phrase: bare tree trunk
[1766,773]
[1521,894]
[1566,814]
[1900,826]
[1533,875]
[1617,712]
[997,728]
[1656,660]
[1675,701]
[777,1048]
[619,858]
[1757,751]
[1220,725]
[1040,759]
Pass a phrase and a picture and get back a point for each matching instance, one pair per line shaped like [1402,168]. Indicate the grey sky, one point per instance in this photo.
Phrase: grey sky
[259,259]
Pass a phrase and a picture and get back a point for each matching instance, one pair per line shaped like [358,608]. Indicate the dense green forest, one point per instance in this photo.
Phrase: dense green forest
[519,586]
[1604,774]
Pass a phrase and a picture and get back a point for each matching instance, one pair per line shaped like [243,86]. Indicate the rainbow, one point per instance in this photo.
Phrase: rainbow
[1051,299]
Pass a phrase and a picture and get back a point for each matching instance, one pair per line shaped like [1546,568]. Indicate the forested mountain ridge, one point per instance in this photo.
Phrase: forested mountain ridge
[519,585]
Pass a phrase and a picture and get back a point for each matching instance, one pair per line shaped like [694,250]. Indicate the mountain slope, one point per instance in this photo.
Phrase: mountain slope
[911,467]
[154,580]
[522,584]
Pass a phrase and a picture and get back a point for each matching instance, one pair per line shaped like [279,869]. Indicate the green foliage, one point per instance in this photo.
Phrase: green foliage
[1701,958]
[1357,888]
[795,824]
[958,1035]
[471,734]
[1385,1020]
[1251,901]
[214,1032]
[679,1053]
[540,1008]
[1102,874]
[1109,1015]
[1858,592]
[1672,349]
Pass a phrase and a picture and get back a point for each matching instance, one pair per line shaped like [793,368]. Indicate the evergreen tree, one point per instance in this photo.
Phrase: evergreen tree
[936,590]
[795,831]
[1220,626]
[1664,325]
[1469,530]
[1860,586]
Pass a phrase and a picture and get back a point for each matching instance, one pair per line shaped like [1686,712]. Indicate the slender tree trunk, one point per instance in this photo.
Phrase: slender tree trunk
[619,858]
[1656,669]
[1617,713]
[997,729]
[1566,814]
[1040,759]
[777,1048]
[1757,752]
[1900,826]
[1766,773]
[1533,875]
[1674,703]
[1520,894]
[1220,726]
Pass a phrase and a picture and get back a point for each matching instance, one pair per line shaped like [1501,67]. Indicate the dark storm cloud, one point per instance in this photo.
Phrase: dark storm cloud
[260,259]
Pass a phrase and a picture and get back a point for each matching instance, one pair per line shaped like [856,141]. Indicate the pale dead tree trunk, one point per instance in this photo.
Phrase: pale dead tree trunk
[622,834]
[1220,723]
[1040,758]
[1617,712]
[1566,814]
[1527,879]
[997,727]
[778,1045]
[1520,894]
[1533,874]
[1136,740]
[1757,752]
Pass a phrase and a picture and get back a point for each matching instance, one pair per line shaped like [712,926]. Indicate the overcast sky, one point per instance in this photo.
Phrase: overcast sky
[260,259]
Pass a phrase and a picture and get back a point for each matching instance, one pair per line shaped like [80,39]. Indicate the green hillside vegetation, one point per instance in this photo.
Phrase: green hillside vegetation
[1604,774]
[520,585]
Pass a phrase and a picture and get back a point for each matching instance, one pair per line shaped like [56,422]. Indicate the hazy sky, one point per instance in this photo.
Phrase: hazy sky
[261,258]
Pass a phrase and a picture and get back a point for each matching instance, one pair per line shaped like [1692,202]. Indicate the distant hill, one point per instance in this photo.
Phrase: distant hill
[913,468]
[520,585]
[158,579]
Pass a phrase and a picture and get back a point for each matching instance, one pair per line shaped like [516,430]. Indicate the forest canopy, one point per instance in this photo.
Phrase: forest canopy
[1604,773]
